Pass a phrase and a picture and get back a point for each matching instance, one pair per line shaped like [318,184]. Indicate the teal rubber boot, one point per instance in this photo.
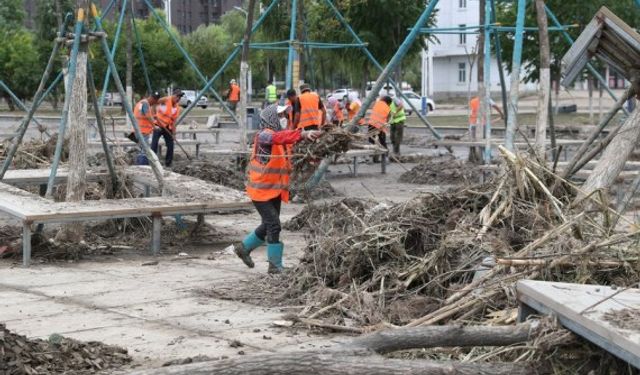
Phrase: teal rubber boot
[274,254]
[243,249]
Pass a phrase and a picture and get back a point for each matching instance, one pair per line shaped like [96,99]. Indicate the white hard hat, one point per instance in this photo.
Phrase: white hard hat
[282,108]
[232,81]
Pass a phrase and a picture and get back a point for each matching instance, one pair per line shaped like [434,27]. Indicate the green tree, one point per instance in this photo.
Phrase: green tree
[567,12]
[19,62]
[11,14]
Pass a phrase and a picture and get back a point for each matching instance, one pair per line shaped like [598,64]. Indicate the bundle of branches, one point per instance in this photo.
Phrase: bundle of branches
[333,141]
[37,153]
[218,173]
[455,256]
[20,355]
[442,169]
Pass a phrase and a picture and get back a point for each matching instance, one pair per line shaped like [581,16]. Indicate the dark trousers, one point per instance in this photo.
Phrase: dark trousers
[382,136]
[269,229]
[397,131]
[168,141]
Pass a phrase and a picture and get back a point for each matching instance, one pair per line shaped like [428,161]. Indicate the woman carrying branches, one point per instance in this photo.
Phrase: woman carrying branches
[268,183]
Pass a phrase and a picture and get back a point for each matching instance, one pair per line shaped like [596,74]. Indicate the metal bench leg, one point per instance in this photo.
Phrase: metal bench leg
[26,243]
[383,163]
[197,150]
[355,166]
[217,138]
[147,191]
[195,137]
[200,220]
[156,233]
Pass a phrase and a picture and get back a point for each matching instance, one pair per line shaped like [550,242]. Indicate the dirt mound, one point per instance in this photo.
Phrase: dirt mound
[218,173]
[442,170]
[20,355]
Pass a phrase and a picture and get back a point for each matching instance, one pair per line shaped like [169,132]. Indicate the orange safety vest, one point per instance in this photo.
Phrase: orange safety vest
[474,105]
[309,112]
[270,180]
[146,125]
[234,93]
[379,115]
[352,111]
[166,117]
[339,115]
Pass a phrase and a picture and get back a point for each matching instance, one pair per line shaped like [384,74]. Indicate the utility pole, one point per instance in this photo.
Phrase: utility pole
[244,75]
[77,117]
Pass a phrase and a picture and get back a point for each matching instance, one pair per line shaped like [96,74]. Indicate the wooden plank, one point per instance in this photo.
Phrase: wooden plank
[575,59]
[582,308]
[20,203]
[496,142]
[21,177]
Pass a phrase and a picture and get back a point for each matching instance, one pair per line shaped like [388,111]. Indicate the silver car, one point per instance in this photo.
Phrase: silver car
[189,97]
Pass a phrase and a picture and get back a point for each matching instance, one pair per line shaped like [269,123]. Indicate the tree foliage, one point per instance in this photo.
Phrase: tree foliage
[19,61]
[11,14]
[568,13]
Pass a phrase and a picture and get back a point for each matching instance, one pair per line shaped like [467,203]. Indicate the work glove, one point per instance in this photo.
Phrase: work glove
[311,135]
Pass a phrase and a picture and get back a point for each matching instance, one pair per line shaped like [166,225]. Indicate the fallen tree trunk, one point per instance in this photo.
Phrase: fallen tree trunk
[613,158]
[360,355]
[332,364]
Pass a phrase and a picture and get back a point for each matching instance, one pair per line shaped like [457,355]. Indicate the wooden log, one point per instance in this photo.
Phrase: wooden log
[332,364]
[614,157]
[359,356]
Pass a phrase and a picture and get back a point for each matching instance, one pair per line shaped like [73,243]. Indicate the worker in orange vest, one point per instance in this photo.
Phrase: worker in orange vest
[377,120]
[353,106]
[474,106]
[337,115]
[234,95]
[308,111]
[268,183]
[167,113]
[143,112]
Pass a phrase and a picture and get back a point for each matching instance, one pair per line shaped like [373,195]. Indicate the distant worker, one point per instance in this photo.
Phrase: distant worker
[377,120]
[474,106]
[353,107]
[233,96]
[308,111]
[398,118]
[337,114]
[167,113]
[268,183]
[144,112]
[271,94]
[292,97]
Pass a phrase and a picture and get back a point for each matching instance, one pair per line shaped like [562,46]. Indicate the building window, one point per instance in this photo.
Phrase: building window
[462,72]
[462,4]
[462,38]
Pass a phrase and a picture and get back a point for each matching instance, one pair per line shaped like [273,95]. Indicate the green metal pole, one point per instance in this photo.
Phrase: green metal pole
[292,52]
[71,75]
[487,82]
[590,67]
[114,48]
[153,158]
[17,100]
[227,62]
[191,63]
[375,62]
[496,37]
[512,109]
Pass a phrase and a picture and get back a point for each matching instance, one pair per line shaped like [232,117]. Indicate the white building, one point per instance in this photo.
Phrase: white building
[449,65]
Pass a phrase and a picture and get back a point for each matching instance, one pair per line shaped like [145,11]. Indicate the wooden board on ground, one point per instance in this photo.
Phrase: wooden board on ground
[21,177]
[598,313]
[496,142]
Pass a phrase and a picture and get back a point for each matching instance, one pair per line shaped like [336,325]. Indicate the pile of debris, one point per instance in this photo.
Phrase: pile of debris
[36,153]
[20,355]
[452,257]
[443,169]
[218,173]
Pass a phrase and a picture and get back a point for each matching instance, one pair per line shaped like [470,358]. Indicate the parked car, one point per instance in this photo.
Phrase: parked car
[416,100]
[342,94]
[112,98]
[386,89]
[189,96]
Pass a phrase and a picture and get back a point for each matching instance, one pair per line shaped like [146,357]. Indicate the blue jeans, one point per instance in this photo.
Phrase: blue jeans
[168,141]
[141,158]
